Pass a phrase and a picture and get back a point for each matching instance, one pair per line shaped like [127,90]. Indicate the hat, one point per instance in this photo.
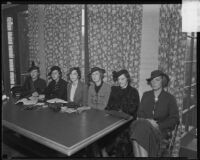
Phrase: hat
[94,69]
[55,68]
[116,74]
[33,68]
[157,73]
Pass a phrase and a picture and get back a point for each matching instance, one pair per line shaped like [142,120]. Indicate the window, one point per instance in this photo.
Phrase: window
[11,56]
[190,89]
[83,37]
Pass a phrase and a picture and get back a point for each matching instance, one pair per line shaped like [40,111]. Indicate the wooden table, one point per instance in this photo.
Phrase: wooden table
[64,132]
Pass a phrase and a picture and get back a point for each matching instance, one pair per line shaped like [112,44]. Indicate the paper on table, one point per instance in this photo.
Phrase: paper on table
[71,110]
[68,110]
[33,98]
[40,104]
[25,101]
[56,100]
[83,108]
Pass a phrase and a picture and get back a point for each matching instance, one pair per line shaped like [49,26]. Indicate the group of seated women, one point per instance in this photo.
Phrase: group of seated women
[153,117]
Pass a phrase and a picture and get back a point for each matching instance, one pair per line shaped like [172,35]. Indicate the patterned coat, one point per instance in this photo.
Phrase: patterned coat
[98,100]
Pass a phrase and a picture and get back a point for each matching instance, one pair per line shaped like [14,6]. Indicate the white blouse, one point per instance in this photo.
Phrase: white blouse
[72,92]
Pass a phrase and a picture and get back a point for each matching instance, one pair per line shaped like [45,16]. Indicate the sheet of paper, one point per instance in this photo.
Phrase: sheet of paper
[56,100]
[25,101]
[33,98]
[68,110]
[40,104]
[83,108]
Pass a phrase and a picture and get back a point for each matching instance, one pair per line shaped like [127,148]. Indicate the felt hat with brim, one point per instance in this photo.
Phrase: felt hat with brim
[94,69]
[33,68]
[157,73]
[116,74]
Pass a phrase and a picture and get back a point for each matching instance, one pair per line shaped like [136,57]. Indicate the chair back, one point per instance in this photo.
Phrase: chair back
[16,91]
[172,140]
[167,143]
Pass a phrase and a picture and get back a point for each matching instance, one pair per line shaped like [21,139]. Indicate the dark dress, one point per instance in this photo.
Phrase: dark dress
[125,100]
[30,86]
[56,90]
[164,111]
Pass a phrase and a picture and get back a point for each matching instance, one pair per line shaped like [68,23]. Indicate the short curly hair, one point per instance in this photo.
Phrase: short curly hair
[77,69]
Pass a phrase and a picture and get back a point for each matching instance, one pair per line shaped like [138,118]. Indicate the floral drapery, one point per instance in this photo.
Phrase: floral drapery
[172,50]
[33,23]
[62,36]
[114,38]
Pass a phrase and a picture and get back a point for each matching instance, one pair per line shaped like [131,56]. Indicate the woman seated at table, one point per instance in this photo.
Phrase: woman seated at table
[57,88]
[99,91]
[77,90]
[33,85]
[158,114]
[123,98]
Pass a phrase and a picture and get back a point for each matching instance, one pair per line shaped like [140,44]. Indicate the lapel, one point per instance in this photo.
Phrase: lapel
[101,89]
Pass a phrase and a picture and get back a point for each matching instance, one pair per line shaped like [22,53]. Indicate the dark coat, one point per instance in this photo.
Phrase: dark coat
[126,100]
[166,110]
[81,93]
[58,90]
[30,86]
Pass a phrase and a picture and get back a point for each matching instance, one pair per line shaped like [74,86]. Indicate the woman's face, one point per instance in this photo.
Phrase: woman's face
[73,76]
[96,76]
[55,75]
[123,81]
[156,83]
[34,74]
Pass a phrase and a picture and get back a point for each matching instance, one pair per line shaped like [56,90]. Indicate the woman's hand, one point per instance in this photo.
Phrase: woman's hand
[35,94]
[153,123]
[41,97]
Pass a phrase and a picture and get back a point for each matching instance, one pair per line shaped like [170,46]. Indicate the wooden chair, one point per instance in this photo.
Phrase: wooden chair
[16,91]
[167,144]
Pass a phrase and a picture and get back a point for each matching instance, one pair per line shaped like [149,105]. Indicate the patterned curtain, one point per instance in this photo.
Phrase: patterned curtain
[62,34]
[114,39]
[33,23]
[172,54]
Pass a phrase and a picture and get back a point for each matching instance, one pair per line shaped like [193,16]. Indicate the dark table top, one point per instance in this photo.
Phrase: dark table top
[64,132]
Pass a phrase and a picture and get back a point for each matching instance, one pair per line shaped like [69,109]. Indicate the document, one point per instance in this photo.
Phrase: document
[68,110]
[25,101]
[56,100]
[83,108]
[72,110]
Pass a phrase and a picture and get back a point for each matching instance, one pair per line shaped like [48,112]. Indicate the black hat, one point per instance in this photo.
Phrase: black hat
[157,73]
[33,67]
[55,68]
[94,69]
[119,73]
